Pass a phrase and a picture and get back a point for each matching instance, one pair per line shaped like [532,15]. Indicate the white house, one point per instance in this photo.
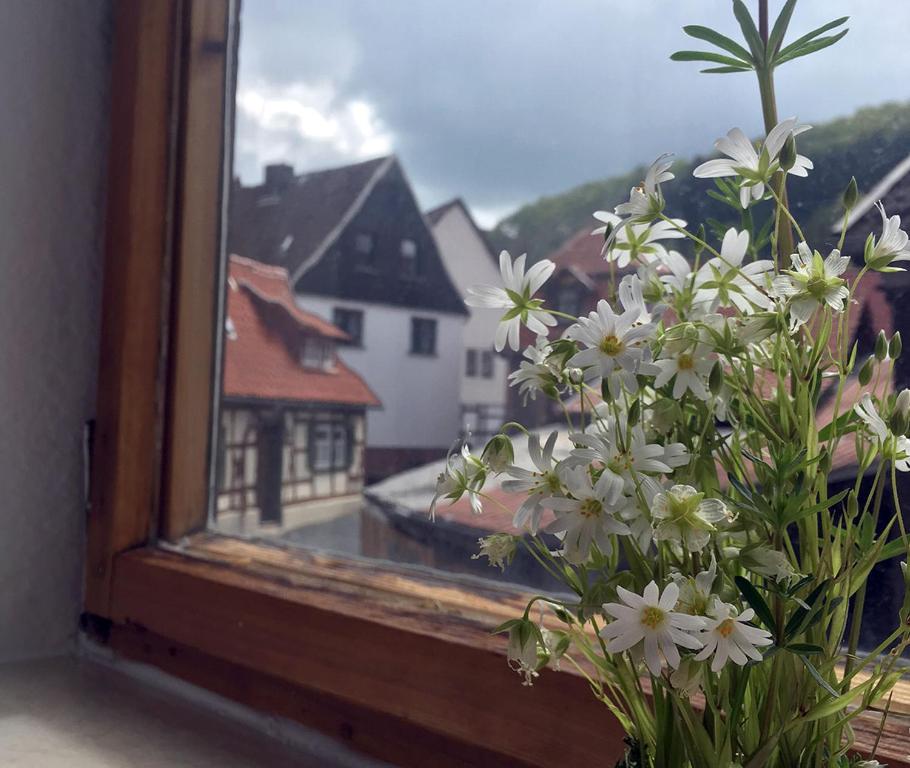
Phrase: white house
[483,380]
[360,254]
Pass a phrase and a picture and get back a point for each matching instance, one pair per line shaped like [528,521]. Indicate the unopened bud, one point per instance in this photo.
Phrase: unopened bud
[575,375]
[898,422]
[851,194]
[895,346]
[716,378]
[634,412]
[902,403]
[498,453]
[865,373]
[852,506]
[787,156]
[881,346]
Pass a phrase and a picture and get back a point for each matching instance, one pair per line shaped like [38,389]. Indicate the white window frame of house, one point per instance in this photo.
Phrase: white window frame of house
[347,312]
[396,663]
[317,354]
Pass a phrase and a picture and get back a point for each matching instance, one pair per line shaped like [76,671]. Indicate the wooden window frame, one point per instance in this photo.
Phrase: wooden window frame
[398,665]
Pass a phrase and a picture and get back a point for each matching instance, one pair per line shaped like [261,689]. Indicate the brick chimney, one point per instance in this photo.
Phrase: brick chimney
[278,177]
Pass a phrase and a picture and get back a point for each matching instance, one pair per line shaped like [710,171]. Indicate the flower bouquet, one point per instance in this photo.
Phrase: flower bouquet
[713,589]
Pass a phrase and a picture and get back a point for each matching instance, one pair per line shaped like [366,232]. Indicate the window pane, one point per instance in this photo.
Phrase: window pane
[387,152]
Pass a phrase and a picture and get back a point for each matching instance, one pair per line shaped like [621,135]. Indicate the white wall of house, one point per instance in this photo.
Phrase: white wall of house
[419,394]
[468,262]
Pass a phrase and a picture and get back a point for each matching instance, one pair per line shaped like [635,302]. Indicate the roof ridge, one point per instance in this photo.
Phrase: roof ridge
[268,270]
[875,194]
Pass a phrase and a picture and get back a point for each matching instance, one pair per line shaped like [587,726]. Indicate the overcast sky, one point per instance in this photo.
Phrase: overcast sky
[503,101]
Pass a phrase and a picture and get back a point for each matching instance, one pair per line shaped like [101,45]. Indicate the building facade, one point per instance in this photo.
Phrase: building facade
[293,414]
[484,374]
[359,253]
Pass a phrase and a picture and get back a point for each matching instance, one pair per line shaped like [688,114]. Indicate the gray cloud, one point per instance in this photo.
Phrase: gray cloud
[502,101]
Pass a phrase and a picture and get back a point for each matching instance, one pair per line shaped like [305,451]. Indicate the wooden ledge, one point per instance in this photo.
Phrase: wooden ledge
[406,648]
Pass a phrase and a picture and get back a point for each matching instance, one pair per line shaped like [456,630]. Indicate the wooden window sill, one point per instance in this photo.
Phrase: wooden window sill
[411,648]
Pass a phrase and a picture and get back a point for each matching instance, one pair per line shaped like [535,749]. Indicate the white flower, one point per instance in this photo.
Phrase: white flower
[631,297]
[754,168]
[649,619]
[538,485]
[646,200]
[498,548]
[725,280]
[522,650]
[680,271]
[614,346]
[463,474]
[729,636]
[585,519]
[687,679]
[894,447]
[536,373]
[635,242]
[625,457]
[695,593]
[689,363]
[517,298]
[768,562]
[684,515]
[812,283]
[638,516]
[891,246]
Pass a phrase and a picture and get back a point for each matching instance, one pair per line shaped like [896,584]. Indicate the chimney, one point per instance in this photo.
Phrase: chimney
[278,177]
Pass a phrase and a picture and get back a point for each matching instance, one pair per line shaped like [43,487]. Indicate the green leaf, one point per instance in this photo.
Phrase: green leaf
[747,25]
[833,706]
[820,680]
[801,615]
[505,626]
[818,45]
[810,36]
[798,514]
[895,548]
[725,70]
[839,425]
[716,58]
[780,27]
[803,649]
[756,602]
[721,41]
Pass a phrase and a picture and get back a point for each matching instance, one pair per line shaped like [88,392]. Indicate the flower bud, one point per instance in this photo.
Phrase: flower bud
[898,422]
[895,346]
[852,505]
[701,234]
[787,156]
[522,651]
[634,412]
[865,373]
[881,346]
[498,453]
[851,194]
[716,378]
[902,403]
[575,375]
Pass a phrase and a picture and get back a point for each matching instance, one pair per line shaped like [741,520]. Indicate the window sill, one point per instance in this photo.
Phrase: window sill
[374,636]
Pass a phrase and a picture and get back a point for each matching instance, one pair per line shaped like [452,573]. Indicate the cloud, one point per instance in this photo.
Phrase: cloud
[502,102]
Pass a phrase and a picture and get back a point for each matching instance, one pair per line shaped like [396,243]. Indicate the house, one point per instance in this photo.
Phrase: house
[359,253]
[292,413]
[469,259]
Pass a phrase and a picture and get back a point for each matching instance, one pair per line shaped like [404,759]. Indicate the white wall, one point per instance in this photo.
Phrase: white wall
[468,262]
[420,397]
[54,71]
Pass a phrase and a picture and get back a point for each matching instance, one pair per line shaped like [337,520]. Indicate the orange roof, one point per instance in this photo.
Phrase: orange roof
[262,350]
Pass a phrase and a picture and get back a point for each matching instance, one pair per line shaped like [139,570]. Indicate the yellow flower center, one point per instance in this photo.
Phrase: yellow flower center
[726,627]
[685,362]
[611,345]
[590,508]
[652,616]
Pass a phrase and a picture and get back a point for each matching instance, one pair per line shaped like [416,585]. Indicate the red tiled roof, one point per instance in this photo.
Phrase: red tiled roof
[261,358]
[582,251]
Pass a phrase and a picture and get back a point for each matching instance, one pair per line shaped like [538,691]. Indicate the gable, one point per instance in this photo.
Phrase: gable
[388,215]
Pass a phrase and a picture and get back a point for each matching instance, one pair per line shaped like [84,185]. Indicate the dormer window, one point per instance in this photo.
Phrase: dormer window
[408,258]
[317,354]
[364,246]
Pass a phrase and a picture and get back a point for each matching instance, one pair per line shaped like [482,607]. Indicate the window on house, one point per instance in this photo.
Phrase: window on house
[470,366]
[568,299]
[486,364]
[351,322]
[330,446]
[423,336]
[364,249]
[409,264]
[317,354]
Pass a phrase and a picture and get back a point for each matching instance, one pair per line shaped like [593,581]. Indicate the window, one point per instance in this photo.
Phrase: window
[351,322]
[470,367]
[317,354]
[200,601]
[409,263]
[363,250]
[330,446]
[568,300]
[486,364]
[423,336]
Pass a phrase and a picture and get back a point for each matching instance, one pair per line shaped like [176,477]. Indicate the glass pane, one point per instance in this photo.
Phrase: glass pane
[386,152]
